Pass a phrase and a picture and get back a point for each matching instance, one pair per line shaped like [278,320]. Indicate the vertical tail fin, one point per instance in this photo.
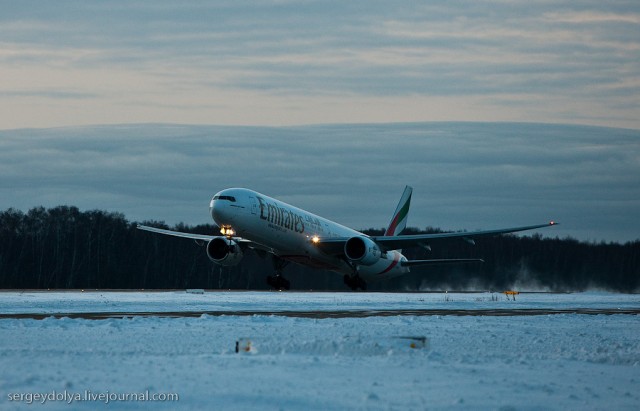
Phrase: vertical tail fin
[399,220]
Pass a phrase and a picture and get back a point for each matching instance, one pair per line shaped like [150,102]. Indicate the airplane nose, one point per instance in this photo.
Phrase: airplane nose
[214,209]
[219,212]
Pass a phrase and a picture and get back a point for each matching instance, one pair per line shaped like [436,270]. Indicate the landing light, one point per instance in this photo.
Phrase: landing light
[228,231]
[315,239]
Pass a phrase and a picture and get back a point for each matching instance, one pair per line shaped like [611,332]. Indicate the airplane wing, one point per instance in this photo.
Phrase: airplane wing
[403,241]
[192,236]
[336,245]
[200,237]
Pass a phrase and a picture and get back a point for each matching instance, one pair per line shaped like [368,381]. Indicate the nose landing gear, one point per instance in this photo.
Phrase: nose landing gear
[278,282]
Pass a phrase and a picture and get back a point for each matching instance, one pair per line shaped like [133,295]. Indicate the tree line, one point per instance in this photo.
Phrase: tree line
[65,248]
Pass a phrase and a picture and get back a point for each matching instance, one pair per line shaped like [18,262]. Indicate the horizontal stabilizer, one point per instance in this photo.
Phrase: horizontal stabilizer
[441,261]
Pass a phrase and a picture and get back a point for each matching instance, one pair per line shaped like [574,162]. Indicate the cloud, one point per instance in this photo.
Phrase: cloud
[465,175]
[298,62]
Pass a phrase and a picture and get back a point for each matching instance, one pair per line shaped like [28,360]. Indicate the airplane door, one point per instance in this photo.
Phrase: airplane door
[254,205]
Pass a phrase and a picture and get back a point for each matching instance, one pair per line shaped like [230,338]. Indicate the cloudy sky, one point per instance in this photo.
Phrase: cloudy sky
[314,62]
[450,97]
[465,175]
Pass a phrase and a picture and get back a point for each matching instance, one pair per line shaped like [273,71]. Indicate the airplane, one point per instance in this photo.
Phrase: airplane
[251,220]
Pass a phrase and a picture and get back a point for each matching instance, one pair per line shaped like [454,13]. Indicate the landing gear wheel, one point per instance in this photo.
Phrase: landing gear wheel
[362,284]
[278,282]
[354,282]
[347,281]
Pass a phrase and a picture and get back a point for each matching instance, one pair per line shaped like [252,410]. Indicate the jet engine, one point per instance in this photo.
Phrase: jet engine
[362,250]
[224,251]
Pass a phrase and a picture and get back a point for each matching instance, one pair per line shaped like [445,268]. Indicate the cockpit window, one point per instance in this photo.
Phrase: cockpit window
[229,198]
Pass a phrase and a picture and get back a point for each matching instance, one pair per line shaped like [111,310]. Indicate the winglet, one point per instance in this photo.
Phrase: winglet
[400,216]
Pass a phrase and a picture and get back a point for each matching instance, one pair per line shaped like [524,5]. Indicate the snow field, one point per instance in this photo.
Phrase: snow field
[559,362]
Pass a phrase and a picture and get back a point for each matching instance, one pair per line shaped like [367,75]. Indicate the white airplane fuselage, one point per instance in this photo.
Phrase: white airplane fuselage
[288,232]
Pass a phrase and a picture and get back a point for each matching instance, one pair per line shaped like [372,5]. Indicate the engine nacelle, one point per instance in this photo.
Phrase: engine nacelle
[223,251]
[362,250]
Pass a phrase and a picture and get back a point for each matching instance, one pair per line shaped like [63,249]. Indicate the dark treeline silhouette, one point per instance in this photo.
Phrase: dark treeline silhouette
[63,247]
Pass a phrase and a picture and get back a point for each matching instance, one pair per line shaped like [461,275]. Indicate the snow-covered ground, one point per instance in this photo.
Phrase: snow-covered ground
[565,361]
[169,301]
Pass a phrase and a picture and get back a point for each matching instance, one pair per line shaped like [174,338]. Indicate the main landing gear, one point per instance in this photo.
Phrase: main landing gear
[278,282]
[354,282]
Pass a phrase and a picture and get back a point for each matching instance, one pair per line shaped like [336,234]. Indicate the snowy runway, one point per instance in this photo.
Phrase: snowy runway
[329,314]
[562,361]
